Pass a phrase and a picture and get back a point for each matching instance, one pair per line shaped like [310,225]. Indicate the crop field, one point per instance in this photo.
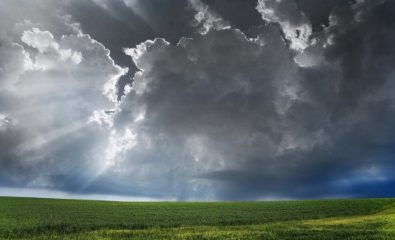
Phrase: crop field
[28,218]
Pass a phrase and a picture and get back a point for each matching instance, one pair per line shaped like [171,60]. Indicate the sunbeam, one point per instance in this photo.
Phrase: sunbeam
[43,139]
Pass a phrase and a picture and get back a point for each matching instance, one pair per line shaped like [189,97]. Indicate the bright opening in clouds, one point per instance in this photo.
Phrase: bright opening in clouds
[198,99]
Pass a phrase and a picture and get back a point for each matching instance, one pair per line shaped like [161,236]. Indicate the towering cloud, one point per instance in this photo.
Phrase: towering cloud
[246,114]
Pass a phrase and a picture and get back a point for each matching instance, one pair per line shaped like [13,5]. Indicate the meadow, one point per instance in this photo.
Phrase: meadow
[362,219]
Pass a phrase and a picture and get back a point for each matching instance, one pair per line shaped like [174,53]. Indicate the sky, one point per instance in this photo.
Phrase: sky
[197,100]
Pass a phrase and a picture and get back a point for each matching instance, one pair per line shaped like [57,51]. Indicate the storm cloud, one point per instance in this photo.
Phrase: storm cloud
[199,100]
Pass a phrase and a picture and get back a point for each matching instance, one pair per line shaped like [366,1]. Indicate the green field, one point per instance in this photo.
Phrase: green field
[27,218]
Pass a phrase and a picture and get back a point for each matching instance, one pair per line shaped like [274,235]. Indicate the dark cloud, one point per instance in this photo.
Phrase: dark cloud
[11,169]
[319,12]
[122,23]
[275,126]
[228,100]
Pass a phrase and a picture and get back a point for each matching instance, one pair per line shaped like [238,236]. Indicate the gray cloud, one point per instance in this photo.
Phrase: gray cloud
[318,12]
[242,112]
[130,23]
[295,25]
[294,102]
[54,89]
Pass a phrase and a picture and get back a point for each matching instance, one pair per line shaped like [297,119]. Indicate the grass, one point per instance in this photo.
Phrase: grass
[28,218]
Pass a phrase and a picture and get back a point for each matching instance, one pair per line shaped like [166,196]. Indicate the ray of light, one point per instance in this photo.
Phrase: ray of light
[117,144]
[135,7]
[45,138]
